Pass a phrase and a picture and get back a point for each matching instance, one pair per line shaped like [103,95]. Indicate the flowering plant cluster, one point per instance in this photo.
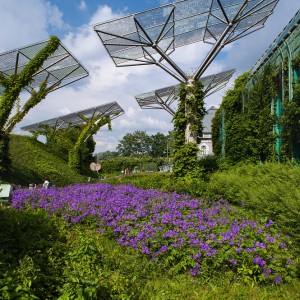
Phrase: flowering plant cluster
[180,233]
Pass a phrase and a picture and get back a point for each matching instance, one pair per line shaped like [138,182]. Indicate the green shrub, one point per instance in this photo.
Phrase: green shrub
[139,163]
[165,182]
[32,161]
[269,189]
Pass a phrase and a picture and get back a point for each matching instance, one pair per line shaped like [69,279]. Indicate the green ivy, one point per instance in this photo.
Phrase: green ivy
[90,129]
[36,98]
[13,86]
[5,160]
[190,112]
[248,120]
[291,120]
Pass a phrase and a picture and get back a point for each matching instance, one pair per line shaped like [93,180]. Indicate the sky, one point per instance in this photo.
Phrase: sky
[31,21]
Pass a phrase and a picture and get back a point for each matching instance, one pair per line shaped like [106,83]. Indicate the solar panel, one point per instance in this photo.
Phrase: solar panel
[165,97]
[136,38]
[60,69]
[112,109]
[281,37]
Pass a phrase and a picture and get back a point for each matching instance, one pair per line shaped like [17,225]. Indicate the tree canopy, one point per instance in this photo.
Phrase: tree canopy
[139,143]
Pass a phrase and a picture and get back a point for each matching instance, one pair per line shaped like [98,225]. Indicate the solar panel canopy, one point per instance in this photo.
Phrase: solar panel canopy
[112,109]
[60,69]
[164,98]
[280,38]
[160,30]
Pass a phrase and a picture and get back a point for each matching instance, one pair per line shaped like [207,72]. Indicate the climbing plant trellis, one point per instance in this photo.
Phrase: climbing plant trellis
[59,70]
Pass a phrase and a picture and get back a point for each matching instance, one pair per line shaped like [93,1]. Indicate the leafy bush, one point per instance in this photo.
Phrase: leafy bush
[269,189]
[165,182]
[32,161]
[31,244]
[144,162]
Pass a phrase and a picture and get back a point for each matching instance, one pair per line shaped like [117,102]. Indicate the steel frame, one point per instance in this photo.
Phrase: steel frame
[164,98]
[225,22]
[112,109]
[59,70]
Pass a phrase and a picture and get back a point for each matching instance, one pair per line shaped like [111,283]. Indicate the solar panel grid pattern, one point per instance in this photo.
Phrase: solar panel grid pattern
[166,96]
[177,24]
[60,66]
[279,39]
[112,109]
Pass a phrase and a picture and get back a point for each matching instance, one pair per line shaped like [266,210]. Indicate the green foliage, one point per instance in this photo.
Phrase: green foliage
[31,244]
[32,161]
[134,143]
[36,98]
[5,160]
[166,182]
[106,155]
[271,190]
[43,258]
[159,145]
[91,127]
[190,114]
[248,120]
[14,84]
[139,143]
[185,159]
[291,130]
[291,121]
[139,163]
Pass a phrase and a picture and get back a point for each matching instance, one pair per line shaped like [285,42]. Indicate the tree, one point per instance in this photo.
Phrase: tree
[134,143]
[159,145]
[13,86]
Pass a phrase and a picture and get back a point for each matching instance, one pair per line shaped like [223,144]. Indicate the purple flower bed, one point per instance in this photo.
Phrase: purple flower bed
[177,231]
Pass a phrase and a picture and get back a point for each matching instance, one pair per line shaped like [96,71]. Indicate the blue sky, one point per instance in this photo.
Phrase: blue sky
[31,21]
[77,12]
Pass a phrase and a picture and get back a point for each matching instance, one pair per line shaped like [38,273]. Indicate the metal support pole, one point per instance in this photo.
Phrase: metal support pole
[278,111]
[296,146]
[155,46]
[290,71]
[218,45]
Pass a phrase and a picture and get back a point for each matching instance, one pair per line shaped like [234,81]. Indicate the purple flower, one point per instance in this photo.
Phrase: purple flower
[233,261]
[277,280]
[267,272]
[145,250]
[163,249]
[257,260]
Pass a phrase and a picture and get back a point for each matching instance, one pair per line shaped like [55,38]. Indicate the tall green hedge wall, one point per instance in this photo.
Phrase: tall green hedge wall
[249,119]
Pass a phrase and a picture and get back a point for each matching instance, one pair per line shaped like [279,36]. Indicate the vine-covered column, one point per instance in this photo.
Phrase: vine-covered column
[188,127]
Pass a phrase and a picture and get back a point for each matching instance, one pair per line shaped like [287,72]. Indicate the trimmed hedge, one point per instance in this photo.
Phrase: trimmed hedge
[32,161]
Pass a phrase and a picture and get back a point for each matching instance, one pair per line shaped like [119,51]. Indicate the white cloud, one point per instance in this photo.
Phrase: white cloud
[26,22]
